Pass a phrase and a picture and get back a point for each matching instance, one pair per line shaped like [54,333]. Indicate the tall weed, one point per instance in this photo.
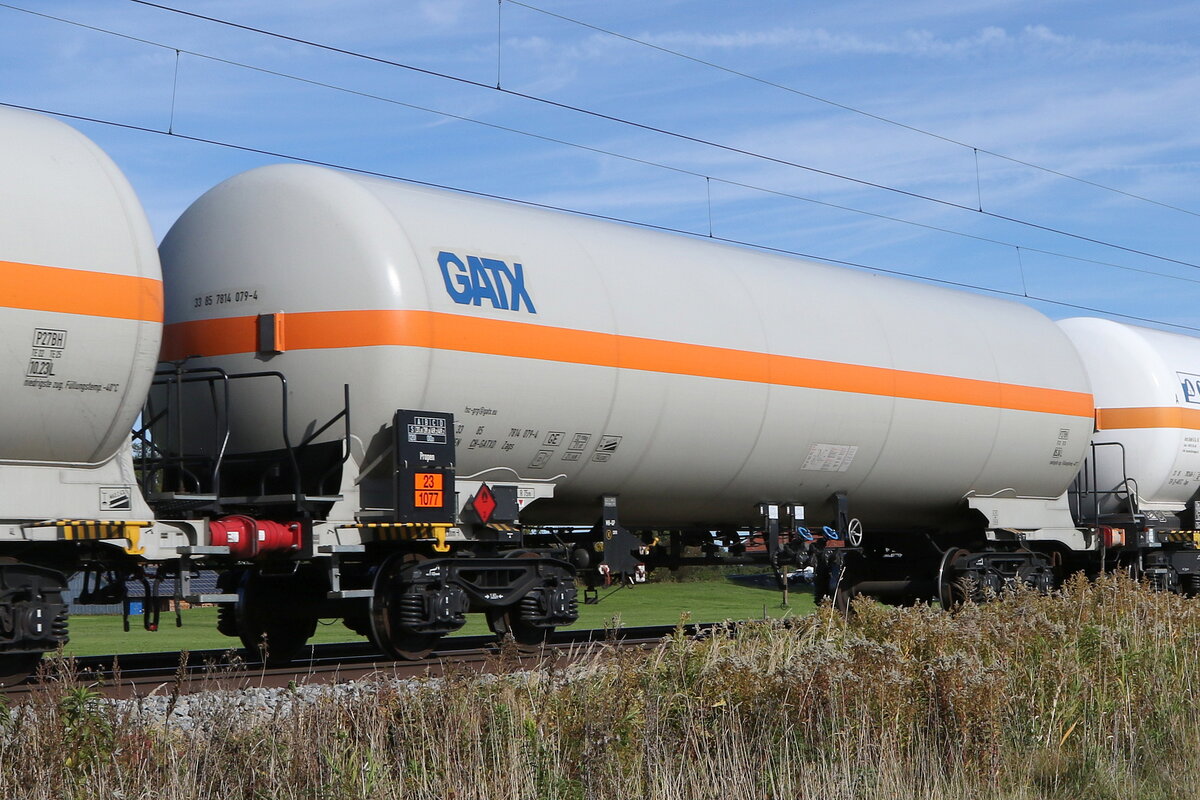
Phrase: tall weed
[1089,692]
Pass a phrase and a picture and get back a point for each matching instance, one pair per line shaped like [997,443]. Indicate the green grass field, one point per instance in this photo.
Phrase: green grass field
[645,604]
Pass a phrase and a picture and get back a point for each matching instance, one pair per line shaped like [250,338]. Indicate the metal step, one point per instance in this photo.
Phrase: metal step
[348,594]
[278,499]
[342,548]
[211,598]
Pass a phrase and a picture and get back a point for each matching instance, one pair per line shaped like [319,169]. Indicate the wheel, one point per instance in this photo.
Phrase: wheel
[826,573]
[846,577]
[1131,565]
[277,643]
[952,590]
[385,608]
[406,646]
[16,667]
[843,598]
[270,619]
[506,622]
[359,620]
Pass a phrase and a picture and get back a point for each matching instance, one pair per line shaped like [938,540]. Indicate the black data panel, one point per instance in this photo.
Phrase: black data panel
[424,466]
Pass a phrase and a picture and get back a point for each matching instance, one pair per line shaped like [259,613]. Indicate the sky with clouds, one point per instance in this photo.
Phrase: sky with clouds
[976,142]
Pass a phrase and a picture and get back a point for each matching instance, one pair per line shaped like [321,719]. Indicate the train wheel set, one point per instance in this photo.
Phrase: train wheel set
[399,406]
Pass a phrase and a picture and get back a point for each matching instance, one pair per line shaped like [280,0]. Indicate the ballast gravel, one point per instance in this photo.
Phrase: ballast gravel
[251,705]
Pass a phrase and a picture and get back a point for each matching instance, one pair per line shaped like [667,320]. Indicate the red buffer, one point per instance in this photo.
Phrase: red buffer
[247,537]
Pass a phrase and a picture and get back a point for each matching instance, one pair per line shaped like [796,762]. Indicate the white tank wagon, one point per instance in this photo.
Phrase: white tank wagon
[81,322]
[692,379]
[689,381]
[82,314]
[1143,471]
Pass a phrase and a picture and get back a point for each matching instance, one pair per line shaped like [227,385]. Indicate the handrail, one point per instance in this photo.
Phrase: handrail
[1086,484]
[153,458]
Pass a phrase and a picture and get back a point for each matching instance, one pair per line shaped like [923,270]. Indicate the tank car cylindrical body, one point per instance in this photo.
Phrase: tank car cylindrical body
[82,300]
[1147,393]
[692,379]
[81,321]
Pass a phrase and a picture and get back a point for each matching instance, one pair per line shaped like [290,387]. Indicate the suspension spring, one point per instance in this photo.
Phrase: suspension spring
[412,610]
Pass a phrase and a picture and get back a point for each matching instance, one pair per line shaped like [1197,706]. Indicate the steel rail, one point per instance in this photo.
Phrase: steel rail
[132,675]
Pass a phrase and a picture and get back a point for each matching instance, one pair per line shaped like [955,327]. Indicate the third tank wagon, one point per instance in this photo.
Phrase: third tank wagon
[692,379]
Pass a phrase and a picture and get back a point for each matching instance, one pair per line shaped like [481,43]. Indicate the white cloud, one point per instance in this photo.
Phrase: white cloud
[919,43]
[443,13]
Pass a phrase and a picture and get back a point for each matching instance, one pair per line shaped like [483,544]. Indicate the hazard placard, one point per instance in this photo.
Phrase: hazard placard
[423,499]
[428,481]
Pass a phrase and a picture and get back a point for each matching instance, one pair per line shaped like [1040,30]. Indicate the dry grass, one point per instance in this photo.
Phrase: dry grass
[1085,694]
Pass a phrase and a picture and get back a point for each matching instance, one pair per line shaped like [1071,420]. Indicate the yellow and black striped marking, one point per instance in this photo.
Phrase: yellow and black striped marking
[77,530]
[407,531]
[1180,537]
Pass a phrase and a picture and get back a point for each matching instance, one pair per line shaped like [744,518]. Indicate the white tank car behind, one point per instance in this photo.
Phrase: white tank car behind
[1147,392]
[80,321]
[693,379]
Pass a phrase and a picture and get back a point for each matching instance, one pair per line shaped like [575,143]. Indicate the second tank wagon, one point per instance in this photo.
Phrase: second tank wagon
[694,380]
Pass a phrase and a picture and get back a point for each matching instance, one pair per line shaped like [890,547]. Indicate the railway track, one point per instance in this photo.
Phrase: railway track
[140,674]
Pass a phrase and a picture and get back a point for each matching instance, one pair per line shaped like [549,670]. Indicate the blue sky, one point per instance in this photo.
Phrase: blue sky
[1102,91]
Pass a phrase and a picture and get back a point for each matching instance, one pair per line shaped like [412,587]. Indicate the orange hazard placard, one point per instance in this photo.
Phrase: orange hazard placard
[422,499]
[428,481]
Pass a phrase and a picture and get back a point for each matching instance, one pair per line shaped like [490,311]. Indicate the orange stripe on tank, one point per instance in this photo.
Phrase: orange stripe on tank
[1108,419]
[78,291]
[442,331]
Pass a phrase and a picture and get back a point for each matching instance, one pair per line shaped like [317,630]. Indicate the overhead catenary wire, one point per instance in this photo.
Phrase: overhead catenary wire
[174,92]
[593,215]
[658,130]
[499,33]
[849,108]
[708,179]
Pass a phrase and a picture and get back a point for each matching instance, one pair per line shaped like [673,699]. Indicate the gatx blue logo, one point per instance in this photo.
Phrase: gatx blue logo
[489,279]
[1191,387]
